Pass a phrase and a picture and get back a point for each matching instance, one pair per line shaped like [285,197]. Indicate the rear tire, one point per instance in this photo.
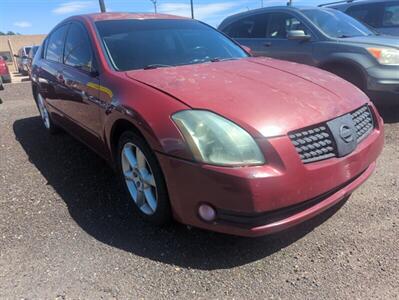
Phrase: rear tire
[45,115]
[143,179]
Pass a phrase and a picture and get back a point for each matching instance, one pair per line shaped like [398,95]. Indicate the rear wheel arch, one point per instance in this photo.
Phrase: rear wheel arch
[34,92]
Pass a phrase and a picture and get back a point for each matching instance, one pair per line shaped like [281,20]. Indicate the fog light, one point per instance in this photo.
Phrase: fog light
[207,212]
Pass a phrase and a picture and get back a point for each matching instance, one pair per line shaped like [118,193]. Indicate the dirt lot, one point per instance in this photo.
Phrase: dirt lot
[66,232]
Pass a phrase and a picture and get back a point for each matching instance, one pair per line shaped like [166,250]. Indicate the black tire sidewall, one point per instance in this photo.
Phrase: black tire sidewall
[53,129]
[162,214]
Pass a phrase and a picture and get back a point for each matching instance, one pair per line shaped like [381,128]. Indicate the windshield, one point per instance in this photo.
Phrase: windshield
[145,44]
[337,24]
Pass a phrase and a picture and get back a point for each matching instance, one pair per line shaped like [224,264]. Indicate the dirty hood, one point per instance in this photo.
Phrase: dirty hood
[265,96]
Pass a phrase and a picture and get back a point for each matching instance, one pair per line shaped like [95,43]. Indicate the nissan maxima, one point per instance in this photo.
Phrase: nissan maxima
[197,129]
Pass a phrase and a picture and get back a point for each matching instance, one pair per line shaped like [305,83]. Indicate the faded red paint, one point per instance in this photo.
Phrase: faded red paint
[267,97]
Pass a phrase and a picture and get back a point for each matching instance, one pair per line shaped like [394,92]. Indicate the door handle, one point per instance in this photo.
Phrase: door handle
[267,44]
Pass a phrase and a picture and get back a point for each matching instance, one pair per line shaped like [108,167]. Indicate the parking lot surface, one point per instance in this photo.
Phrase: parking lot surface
[66,232]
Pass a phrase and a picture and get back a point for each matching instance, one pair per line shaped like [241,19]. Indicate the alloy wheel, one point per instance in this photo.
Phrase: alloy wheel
[139,179]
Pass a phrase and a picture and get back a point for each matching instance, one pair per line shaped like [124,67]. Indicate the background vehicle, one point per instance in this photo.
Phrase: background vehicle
[200,131]
[22,59]
[4,71]
[383,15]
[31,55]
[322,37]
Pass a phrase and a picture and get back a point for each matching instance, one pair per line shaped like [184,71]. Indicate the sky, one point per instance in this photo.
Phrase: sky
[40,16]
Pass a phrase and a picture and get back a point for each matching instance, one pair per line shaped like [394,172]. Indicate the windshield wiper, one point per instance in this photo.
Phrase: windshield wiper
[218,59]
[344,36]
[156,66]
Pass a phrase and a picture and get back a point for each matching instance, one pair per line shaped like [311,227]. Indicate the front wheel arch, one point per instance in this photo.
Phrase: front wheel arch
[348,71]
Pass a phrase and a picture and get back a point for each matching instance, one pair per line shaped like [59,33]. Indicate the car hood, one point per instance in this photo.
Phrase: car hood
[265,96]
[375,40]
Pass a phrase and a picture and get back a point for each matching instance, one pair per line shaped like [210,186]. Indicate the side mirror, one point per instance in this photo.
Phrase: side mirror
[247,49]
[298,35]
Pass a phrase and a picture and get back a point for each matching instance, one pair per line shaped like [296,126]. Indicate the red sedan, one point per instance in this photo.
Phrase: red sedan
[197,129]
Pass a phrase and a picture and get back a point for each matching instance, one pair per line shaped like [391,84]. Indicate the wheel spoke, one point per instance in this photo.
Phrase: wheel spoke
[150,199]
[141,163]
[129,155]
[149,179]
[140,199]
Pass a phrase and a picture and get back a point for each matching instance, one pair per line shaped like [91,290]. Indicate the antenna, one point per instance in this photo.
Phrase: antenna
[102,6]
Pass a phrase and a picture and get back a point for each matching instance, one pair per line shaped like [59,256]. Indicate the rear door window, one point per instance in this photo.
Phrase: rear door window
[55,45]
[78,51]
[390,15]
[366,13]
[249,27]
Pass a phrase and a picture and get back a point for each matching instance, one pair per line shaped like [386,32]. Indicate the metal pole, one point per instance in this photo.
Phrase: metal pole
[261,3]
[102,6]
[14,60]
[192,9]
[289,3]
[155,5]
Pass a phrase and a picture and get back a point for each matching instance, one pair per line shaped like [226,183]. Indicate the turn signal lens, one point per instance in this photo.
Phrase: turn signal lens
[385,56]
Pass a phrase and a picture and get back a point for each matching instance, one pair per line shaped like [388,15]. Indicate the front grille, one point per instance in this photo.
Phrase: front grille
[317,143]
[314,144]
[363,121]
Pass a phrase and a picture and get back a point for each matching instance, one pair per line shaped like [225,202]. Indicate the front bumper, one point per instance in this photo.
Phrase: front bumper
[254,201]
[384,80]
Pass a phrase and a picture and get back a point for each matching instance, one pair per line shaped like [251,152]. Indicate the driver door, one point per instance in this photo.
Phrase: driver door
[277,45]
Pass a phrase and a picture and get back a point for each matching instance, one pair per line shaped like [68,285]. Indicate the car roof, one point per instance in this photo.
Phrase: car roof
[130,16]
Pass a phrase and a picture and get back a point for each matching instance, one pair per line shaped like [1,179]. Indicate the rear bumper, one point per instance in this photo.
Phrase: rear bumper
[254,201]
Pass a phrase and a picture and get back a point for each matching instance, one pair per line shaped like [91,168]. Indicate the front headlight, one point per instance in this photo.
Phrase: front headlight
[216,140]
[385,56]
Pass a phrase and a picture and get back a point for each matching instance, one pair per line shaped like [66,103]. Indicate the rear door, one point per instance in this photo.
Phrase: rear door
[80,80]
[251,32]
[279,46]
[49,75]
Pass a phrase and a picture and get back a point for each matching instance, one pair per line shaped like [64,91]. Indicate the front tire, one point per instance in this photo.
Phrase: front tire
[143,179]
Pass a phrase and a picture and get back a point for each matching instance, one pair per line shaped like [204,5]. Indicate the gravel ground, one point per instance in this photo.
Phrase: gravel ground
[66,232]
